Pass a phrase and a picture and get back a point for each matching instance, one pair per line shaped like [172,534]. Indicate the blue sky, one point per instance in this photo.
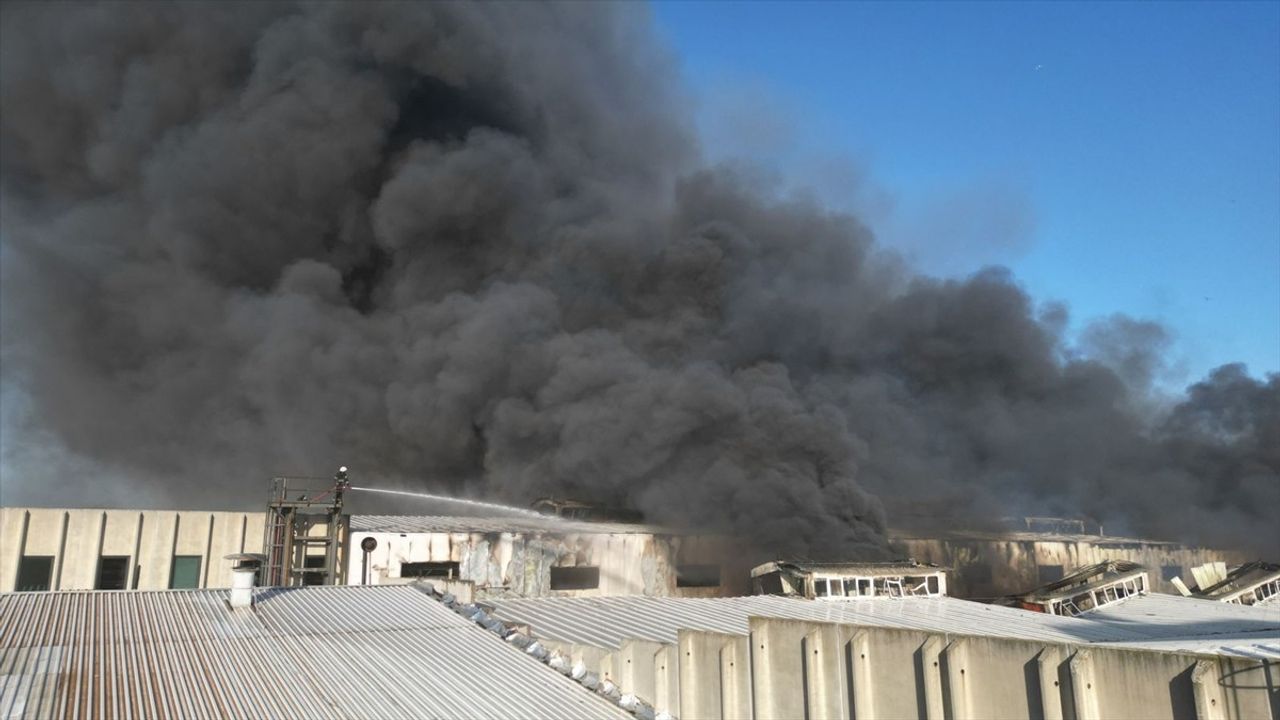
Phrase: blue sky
[1118,157]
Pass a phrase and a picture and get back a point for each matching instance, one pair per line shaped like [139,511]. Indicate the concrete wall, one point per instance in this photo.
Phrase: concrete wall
[519,564]
[799,669]
[77,539]
[992,566]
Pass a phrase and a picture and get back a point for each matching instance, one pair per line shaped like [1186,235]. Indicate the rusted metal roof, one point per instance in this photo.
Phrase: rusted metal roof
[318,652]
[527,525]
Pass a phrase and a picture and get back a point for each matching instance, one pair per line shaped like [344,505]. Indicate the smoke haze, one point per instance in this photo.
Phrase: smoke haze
[472,247]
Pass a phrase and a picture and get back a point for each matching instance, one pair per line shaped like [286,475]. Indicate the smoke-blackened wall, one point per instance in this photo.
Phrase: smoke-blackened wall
[472,247]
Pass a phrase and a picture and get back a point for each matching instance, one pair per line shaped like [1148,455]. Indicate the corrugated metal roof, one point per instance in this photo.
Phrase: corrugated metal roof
[1175,623]
[606,622]
[464,524]
[320,652]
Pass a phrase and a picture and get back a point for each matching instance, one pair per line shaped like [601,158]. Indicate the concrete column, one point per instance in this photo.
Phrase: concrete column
[666,673]
[1211,702]
[934,660]
[701,694]
[858,659]
[735,678]
[1050,662]
[958,686]
[823,656]
[634,668]
[1082,681]
[776,671]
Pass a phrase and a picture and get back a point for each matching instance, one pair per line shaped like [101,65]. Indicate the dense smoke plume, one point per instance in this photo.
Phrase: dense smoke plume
[471,247]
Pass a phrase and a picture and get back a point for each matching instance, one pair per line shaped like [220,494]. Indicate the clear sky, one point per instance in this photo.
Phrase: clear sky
[1118,157]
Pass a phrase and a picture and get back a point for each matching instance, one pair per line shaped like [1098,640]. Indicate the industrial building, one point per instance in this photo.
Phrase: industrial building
[412,651]
[81,549]
[518,617]
[996,563]
[919,657]
[77,549]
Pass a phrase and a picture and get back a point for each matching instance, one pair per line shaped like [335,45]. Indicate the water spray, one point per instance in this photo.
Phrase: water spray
[460,501]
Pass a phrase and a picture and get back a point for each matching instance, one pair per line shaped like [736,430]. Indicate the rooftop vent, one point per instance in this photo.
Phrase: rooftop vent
[243,573]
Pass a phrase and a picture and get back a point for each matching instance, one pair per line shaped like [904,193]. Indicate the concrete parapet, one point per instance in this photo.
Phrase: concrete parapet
[802,669]
[776,668]
[997,678]
[715,676]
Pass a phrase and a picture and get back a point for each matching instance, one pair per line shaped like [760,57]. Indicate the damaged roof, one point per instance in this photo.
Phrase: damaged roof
[1241,578]
[868,569]
[313,652]
[548,525]
[1087,578]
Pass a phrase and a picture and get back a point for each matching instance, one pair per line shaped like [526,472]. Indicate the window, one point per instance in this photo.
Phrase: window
[184,574]
[698,576]
[819,587]
[1049,573]
[932,585]
[113,573]
[770,584]
[575,578]
[429,569]
[851,587]
[35,572]
[979,574]
[1169,572]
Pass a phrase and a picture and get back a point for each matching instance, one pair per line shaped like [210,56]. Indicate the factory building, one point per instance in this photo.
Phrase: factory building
[543,556]
[1150,656]
[548,617]
[83,549]
[993,564]
[78,549]
[63,549]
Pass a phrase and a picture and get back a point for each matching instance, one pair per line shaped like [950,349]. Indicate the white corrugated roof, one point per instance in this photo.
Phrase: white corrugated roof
[464,524]
[606,622]
[1161,622]
[319,652]
[1176,623]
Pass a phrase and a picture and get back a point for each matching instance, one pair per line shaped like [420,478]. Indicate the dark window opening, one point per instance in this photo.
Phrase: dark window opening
[820,587]
[1169,572]
[698,576]
[113,574]
[1049,573]
[932,585]
[185,572]
[979,574]
[770,584]
[575,578]
[35,572]
[429,569]
[313,563]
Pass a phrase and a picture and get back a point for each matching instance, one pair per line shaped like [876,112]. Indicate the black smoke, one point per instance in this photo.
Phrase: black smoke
[472,247]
